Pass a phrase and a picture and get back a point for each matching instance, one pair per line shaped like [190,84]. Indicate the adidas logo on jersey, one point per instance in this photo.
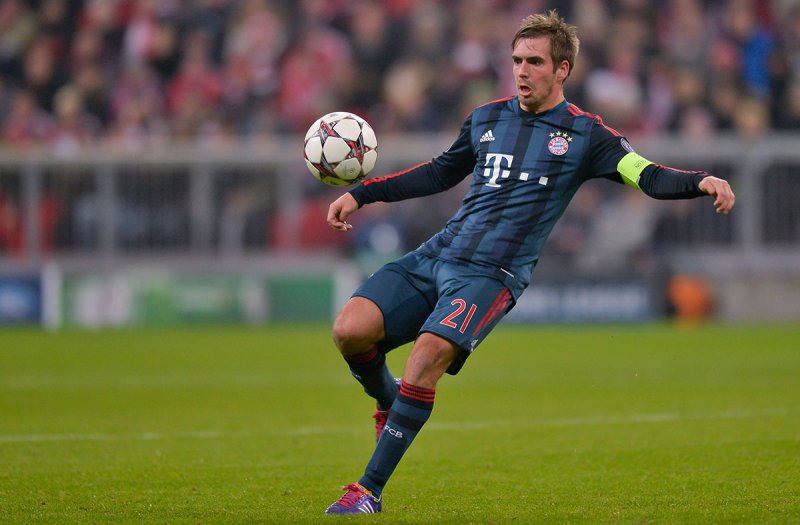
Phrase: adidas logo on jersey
[487,137]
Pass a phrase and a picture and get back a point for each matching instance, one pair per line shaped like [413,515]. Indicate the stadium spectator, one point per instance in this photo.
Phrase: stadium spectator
[26,123]
[254,43]
[43,73]
[74,127]
[755,43]
[196,89]
[405,87]
[18,28]
[688,90]
[725,102]
[615,90]
[137,109]
[91,82]
[373,36]
[683,35]
[313,71]
[752,118]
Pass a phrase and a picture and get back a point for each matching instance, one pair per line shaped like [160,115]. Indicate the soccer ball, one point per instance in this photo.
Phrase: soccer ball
[340,148]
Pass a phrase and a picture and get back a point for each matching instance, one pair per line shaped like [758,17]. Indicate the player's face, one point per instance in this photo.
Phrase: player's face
[539,84]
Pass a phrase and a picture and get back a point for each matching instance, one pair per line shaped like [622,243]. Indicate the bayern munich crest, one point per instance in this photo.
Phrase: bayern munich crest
[559,143]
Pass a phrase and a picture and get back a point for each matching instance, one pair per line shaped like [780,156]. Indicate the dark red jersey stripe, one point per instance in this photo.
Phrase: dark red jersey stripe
[501,297]
[392,175]
[499,308]
[578,112]
[502,99]
[486,315]
[491,310]
[681,171]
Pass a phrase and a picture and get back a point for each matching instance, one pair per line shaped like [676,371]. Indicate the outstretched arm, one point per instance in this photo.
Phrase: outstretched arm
[662,182]
[438,174]
[612,157]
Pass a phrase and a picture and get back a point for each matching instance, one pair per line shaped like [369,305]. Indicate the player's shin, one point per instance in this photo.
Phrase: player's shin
[408,414]
[371,371]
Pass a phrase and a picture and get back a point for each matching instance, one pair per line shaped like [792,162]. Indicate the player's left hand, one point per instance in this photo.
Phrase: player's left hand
[721,191]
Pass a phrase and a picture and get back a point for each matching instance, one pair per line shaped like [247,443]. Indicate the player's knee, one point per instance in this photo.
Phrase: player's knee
[352,336]
[358,328]
[343,333]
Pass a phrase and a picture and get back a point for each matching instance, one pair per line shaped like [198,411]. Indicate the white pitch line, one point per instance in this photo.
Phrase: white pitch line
[663,417]
[144,436]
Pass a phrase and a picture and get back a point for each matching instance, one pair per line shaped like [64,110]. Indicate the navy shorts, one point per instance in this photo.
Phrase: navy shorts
[418,293]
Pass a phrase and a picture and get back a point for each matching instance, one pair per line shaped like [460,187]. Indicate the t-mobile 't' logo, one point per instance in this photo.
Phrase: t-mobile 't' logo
[494,170]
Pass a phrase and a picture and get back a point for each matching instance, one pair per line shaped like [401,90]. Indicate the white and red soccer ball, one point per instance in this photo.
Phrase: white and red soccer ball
[340,148]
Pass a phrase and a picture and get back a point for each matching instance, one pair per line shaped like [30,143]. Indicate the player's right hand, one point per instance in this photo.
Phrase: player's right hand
[340,210]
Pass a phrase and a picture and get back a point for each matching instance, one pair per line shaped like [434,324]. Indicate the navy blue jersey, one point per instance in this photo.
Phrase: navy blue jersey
[525,168]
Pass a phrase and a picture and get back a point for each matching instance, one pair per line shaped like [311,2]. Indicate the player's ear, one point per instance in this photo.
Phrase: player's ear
[563,71]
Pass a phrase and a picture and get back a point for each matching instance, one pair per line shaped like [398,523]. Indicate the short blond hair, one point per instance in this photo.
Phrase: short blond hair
[564,43]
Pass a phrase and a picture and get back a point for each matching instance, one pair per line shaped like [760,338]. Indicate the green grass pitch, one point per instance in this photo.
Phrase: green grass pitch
[572,424]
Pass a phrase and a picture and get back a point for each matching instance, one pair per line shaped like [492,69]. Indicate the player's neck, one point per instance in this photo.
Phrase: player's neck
[546,105]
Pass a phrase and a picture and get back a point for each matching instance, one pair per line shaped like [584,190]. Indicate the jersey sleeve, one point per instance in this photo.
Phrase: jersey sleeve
[439,174]
[612,157]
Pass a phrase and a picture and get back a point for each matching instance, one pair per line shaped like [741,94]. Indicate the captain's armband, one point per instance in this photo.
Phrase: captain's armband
[630,167]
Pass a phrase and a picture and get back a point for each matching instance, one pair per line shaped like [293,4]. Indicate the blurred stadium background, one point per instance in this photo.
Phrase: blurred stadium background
[151,167]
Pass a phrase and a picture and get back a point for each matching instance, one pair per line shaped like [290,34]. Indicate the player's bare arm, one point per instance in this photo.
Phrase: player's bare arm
[340,210]
[724,198]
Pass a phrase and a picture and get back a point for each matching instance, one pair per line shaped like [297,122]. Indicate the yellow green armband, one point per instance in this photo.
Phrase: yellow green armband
[630,167]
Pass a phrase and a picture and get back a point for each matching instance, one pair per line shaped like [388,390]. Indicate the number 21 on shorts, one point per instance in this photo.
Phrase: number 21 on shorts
[460,305]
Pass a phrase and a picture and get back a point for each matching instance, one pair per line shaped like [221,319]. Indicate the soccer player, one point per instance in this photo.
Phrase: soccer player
[526,156]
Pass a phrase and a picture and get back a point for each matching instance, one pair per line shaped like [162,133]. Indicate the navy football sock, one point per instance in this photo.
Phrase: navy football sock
[410,411]
[371,371]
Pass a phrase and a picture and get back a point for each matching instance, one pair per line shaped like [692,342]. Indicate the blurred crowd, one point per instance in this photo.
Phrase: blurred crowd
[128,75]
[131,73]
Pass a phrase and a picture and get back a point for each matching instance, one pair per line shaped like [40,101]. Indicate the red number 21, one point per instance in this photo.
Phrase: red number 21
[460,305]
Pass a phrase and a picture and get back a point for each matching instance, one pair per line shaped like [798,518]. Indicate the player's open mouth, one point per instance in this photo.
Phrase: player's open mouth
[524,90]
